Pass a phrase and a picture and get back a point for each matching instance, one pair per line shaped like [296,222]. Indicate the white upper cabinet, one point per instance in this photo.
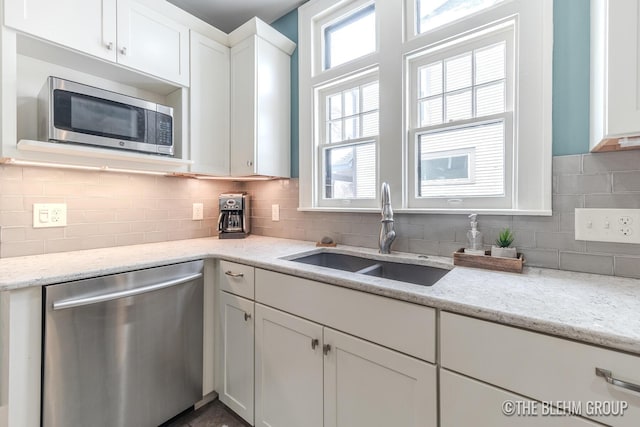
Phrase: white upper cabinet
[260,101]
[124,31]
[84,25]
[615,76]
[151,42]
[209,106]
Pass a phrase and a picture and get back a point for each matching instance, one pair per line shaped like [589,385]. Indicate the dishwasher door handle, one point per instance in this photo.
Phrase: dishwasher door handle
[61,305]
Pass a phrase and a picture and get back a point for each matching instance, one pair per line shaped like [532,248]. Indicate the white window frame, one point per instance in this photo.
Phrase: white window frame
[395,21]
[321,93]
[501,32]
[471,170]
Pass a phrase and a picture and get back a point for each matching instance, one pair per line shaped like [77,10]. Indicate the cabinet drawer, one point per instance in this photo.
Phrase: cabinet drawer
[408,328]
[466,402]
[539,366]
[237,278]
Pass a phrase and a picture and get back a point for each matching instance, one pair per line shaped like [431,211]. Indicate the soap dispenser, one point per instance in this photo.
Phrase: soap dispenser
[475,238]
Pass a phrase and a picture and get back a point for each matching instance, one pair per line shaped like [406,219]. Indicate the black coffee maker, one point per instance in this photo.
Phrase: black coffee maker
[233,221]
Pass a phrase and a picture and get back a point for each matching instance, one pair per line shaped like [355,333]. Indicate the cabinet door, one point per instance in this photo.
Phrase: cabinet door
[243,107]
[85,25]
[288,370]
[209,94]
[151,42]
[466,402]
[237,354]
[369,385]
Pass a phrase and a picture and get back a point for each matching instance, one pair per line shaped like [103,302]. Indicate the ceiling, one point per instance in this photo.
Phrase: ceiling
[227,15]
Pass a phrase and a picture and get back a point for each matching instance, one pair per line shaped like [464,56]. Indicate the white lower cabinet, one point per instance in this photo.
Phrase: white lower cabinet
[288,370]
[467,402]
[313,376]
[235,374]
[551,370]
[371,386]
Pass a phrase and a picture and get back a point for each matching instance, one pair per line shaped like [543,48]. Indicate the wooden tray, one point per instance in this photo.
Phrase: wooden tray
[512,265]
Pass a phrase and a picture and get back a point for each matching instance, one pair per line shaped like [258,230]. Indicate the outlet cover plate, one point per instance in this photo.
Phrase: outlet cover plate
[608,225]
[198,211]
[49,215]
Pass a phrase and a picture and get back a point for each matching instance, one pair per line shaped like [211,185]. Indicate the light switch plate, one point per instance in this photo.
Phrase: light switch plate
[49,215]
[275,212]
[608,225]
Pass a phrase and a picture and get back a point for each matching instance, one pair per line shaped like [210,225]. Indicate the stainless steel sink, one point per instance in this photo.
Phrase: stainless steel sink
[412,273]
[336,261]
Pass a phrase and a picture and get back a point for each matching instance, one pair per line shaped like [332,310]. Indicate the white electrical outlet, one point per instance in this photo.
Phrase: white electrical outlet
[198,211]
[49,215]
[608,225]
[275,212]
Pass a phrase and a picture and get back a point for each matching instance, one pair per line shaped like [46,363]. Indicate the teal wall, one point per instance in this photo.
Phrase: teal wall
[570,78]
[288,25]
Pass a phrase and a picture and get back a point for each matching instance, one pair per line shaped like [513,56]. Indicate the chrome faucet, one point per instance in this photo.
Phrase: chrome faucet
[387,233]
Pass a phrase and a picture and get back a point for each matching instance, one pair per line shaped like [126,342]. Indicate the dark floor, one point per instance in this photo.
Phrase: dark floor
[213,414]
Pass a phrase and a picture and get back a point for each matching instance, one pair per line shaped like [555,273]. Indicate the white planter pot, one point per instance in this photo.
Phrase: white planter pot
[504,252]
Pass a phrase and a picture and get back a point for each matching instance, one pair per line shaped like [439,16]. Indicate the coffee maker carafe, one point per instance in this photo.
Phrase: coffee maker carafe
[233,221]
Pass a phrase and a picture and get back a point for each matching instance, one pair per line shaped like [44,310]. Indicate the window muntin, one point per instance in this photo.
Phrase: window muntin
[432,14]
[352,113]
[461,87]
[350,37]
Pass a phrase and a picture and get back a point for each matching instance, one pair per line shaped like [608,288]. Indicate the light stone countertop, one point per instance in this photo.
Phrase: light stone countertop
[602,310]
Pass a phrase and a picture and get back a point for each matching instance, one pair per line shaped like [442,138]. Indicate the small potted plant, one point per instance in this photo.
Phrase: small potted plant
[503,248]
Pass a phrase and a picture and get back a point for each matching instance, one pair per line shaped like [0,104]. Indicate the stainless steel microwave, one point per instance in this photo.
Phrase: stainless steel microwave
[80,114]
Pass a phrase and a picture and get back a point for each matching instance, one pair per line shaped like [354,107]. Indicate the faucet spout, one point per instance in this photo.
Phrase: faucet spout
[387,233]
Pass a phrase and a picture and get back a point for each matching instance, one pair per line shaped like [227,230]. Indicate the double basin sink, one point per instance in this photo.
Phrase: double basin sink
[412,273]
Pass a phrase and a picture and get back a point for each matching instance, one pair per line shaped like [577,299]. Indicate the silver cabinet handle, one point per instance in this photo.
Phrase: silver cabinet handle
[109,46]
[249,163]
[314,343]
[247,316]
[608,376]
[326,348]
[61,305]
[232,274]
[123,51]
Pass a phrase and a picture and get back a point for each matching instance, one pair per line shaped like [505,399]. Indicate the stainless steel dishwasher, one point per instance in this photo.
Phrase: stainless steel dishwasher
[123,350]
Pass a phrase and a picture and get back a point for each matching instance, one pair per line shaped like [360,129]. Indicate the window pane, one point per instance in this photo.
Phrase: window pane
[430,80]
[459,106]
[351,102]
[335,131]
[350,38]
[435,13]
[490,99]
[370,97]
[335,106]
[370,124]
[490,63]
[485,141]
[458,72]
[352,128]
[431,111]
[444,169]
[350,172]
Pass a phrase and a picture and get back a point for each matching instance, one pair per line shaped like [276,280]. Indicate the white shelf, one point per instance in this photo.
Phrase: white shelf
[100,153]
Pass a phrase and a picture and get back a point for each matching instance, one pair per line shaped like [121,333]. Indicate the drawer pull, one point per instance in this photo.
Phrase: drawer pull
[314,343]
[608,376]
[232,274]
